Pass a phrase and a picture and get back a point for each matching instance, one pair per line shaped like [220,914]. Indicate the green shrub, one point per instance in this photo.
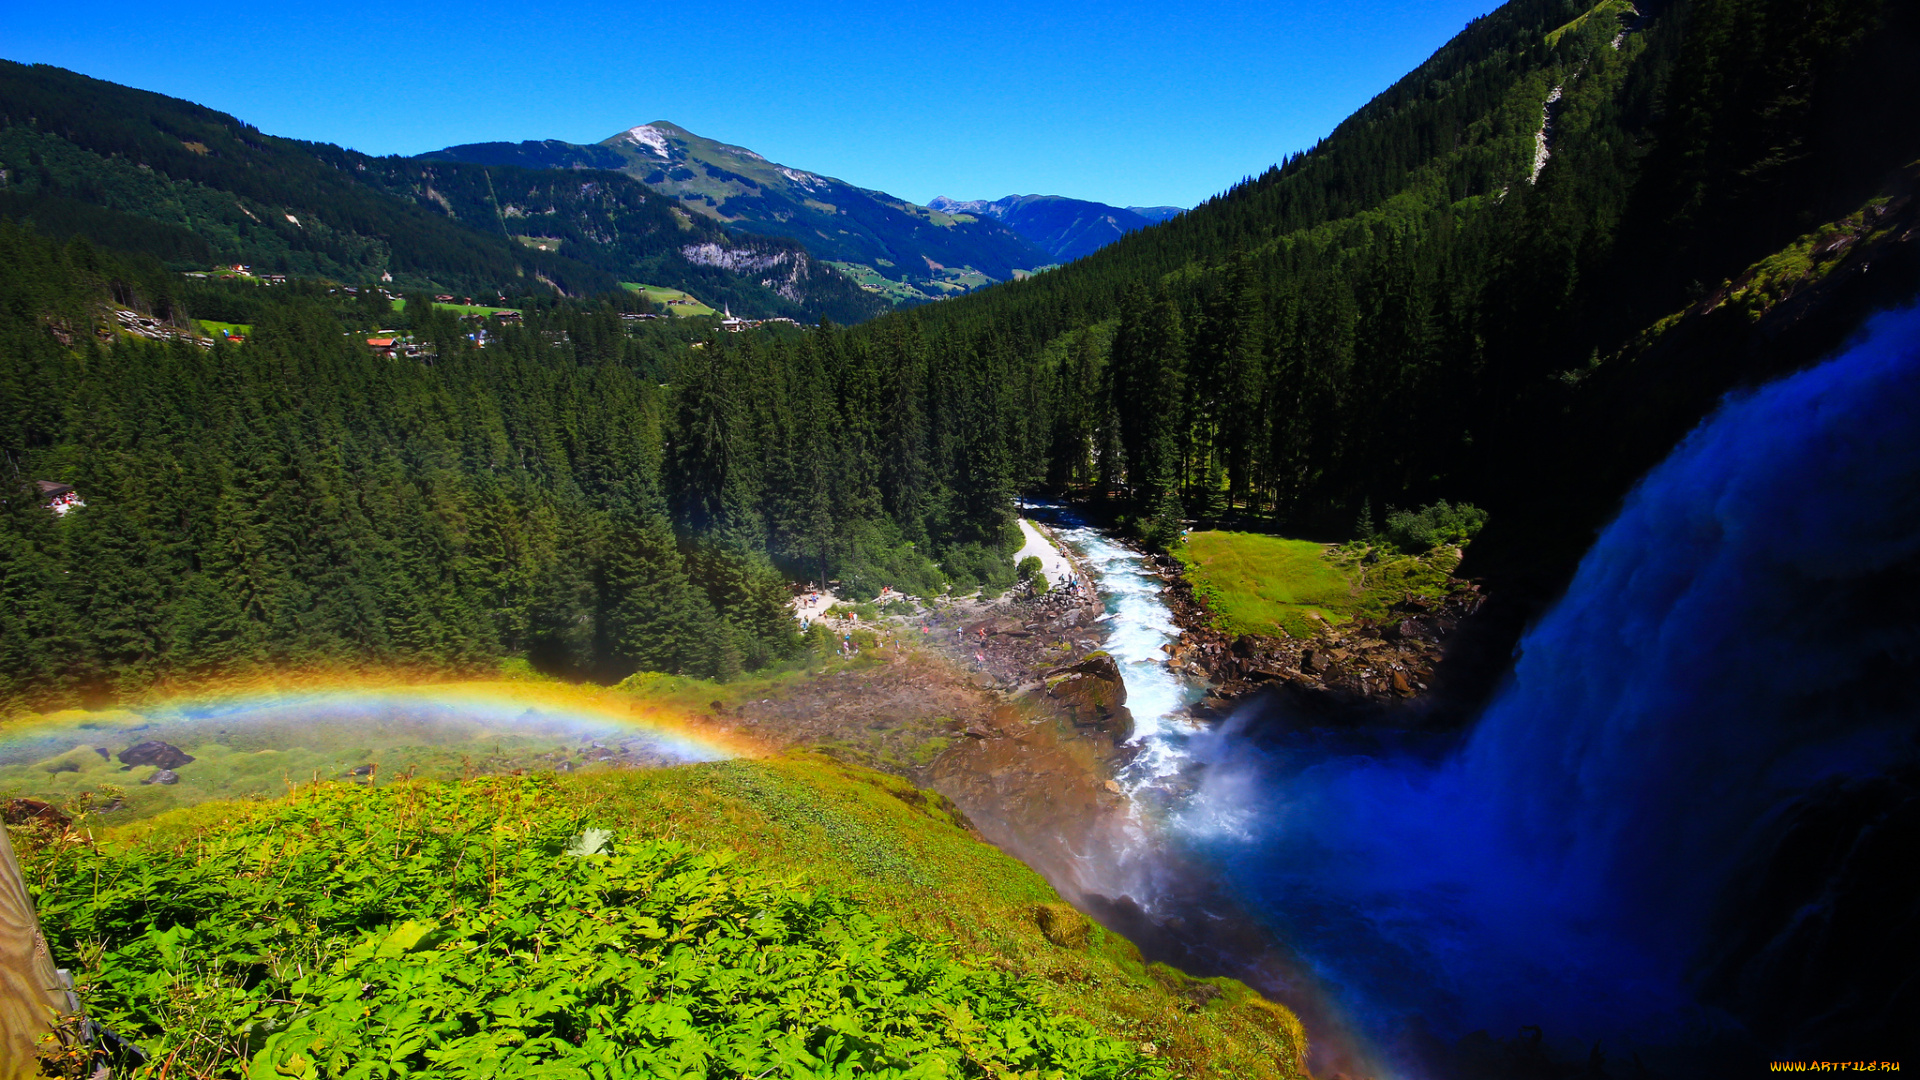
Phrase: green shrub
[1033,572]
[874,555]
[864,612]
[1416,532]
[483,929]
[974,565]
[1161,529]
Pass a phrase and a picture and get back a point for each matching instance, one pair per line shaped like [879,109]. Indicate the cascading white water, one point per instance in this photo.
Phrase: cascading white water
[1140,625]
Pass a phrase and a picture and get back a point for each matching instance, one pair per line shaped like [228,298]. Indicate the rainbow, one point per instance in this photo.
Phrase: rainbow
[250,739]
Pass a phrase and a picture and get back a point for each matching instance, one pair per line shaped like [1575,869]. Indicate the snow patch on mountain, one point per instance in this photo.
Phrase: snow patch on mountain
[802,179]
[960,206]
[651,138]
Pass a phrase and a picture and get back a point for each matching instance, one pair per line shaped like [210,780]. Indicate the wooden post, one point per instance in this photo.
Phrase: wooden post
[31,993]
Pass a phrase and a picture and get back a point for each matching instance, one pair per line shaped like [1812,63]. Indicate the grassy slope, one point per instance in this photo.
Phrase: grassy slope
[1255,584]
[875,282]
[898,853]
[262,758]
[463,309]
[1259,584]
[660,296]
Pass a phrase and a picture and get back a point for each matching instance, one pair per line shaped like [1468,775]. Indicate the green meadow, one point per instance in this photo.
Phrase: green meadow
[464,309]
[1254,583]
[662,296]
[213,327]
[1259,584]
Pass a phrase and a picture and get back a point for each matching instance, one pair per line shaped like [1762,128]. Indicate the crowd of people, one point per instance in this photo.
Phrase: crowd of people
[64,503]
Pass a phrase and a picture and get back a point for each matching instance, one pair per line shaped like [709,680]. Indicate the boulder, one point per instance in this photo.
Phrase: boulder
[158,754]
[1094,695]
[164,776]
[34,812]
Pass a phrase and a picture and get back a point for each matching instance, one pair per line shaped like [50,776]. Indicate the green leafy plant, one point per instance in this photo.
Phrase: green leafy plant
[485,929]
[1416,532]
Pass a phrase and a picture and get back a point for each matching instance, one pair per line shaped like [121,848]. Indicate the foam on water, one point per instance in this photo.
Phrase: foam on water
[1139,626]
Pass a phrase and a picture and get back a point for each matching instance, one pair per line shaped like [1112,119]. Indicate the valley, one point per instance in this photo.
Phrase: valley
[1431,611]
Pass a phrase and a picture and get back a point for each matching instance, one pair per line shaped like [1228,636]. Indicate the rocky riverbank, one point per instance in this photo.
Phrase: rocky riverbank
[1366,661]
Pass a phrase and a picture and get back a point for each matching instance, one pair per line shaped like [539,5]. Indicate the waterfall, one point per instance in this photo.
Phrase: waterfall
[1725,649]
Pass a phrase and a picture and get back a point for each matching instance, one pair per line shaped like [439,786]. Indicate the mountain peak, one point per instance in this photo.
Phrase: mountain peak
[649,138]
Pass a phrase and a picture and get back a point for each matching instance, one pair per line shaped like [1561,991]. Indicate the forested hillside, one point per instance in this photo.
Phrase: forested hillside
[1513,279]
[301,500]
[1415,307]
[130,169]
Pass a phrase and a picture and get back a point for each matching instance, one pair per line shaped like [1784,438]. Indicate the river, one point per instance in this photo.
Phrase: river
[1140,626]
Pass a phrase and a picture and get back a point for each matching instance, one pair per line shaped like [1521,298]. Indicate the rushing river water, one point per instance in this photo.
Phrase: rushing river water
[1140,626]
[1683,830]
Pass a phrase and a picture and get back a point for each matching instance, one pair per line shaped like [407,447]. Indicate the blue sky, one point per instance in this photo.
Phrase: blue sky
[1126,103]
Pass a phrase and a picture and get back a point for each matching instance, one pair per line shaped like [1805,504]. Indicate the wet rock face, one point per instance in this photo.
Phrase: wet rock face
[158,754]
[1093,696]
[1365,661]
[1816,937]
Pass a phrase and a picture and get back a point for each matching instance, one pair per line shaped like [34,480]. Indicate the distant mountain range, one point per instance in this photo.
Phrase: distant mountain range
[902,251]
[1064,228]
[665,207]
[139,171]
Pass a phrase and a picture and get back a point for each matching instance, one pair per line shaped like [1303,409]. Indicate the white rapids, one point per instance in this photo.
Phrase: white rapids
[1140,625]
